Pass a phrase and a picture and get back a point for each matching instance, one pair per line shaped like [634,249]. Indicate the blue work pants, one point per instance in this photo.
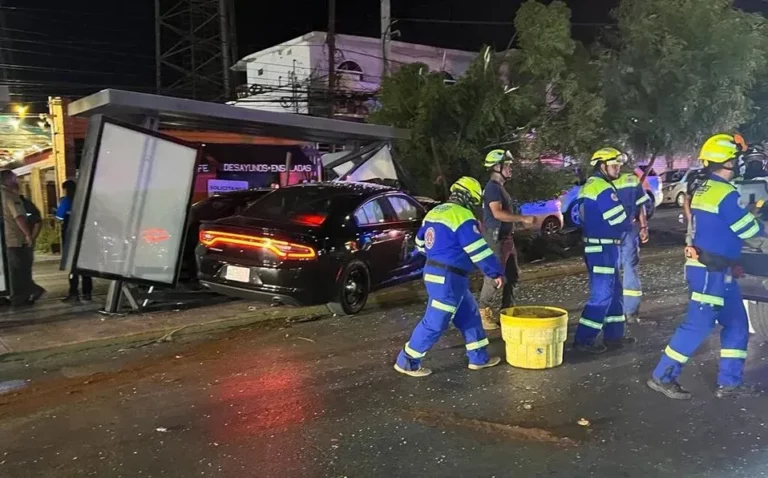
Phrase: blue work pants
[630,259]
[604,309]
[449,300]
[715,298]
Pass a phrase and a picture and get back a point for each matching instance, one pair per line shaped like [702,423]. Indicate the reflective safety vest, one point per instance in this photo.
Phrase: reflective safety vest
[720,225]
[603,217]
[450,235]
[631,193]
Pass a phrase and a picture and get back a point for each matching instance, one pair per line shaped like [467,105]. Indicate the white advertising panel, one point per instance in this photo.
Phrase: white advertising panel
[136,209]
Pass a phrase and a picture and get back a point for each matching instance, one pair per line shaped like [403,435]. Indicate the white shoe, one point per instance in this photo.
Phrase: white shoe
[492,362]
[421,372]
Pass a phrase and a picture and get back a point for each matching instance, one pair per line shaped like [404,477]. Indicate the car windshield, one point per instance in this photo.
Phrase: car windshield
[289,203]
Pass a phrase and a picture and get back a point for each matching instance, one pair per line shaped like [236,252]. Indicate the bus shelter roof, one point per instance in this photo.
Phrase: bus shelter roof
[180,113]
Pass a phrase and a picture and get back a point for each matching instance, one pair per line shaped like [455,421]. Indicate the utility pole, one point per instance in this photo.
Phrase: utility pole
[226,63]
[386,35]
[331,39]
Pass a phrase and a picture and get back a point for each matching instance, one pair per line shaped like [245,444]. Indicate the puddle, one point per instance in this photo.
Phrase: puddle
[11,386]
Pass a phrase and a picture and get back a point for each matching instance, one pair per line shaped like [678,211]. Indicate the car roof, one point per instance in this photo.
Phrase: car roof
[334,188]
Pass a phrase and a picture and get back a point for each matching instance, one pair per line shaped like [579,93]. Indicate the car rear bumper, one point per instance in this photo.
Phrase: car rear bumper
[307,283]
[252,294]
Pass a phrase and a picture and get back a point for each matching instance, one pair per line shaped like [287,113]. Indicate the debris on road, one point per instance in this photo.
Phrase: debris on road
[583,422]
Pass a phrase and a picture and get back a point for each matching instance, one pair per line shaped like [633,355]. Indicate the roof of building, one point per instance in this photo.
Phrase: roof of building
[185,114]
[320,37]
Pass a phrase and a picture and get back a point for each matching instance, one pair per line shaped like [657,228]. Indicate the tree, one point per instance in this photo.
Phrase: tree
[541,97]
[678,71]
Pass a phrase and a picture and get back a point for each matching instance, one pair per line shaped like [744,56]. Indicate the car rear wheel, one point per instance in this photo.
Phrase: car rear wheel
[680,200]
[551,225]
[353,289]
[758,318]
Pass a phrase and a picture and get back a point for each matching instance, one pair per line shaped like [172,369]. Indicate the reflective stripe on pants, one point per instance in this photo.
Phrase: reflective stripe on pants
[604,310]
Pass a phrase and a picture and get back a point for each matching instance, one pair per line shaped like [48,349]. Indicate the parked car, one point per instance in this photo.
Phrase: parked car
[652,187]
[549,218]
[315,243]
[675,183]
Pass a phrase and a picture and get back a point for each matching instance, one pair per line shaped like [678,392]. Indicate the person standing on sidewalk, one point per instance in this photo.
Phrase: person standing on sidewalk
[62,214]
[498,219]
[632,196]
[18,239]
[35,223]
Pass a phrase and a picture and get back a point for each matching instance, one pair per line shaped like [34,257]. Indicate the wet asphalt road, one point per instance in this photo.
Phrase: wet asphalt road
[320,399]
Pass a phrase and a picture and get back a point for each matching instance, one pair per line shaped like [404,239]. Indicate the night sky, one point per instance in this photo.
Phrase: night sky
[76,47]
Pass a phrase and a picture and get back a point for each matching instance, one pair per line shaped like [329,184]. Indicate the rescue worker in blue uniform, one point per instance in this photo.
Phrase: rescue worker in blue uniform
[632,196]
[605,221]
[719,228]
[450,238]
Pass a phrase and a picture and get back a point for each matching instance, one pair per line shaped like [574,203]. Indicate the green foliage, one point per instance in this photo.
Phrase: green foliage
[536,99]
[667,75]
[680,70]
[49,236]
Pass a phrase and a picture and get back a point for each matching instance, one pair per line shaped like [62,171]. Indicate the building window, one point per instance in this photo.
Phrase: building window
[261,71]
[448,79]
[351,69]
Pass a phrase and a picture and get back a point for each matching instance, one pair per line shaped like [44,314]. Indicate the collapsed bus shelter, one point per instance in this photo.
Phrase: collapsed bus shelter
[122,129]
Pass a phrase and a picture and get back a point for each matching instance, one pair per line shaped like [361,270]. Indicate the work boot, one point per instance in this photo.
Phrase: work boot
[70,299]
[633,318]
[419,372]
[594,348]
[618,344]
[671,389]
[486,317]
[492,362]
[740,391]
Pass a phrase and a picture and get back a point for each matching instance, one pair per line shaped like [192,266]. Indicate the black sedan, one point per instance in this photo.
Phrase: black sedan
[316,243]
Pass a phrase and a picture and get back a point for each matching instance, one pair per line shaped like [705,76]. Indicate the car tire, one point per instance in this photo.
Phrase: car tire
[572,215]
[352,290]
[758,318]
[650,206]
[680,199]
[550,226]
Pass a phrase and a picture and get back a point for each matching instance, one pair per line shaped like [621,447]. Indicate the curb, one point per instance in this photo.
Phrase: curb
[396,296]
[386,299]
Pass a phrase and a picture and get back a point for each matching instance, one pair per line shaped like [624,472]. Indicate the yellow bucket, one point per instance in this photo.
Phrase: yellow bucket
[534,336]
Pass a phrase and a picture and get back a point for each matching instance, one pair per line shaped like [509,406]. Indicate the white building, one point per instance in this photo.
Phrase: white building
[293,76]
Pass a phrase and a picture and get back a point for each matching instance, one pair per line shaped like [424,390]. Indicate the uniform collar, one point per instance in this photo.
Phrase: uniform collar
[715,177]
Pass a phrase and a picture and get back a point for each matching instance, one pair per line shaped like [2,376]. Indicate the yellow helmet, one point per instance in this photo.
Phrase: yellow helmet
[497,156]
[609,156]
[471,187]
[722,148]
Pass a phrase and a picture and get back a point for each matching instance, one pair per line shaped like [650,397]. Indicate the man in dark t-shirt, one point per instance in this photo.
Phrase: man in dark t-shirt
[498,226]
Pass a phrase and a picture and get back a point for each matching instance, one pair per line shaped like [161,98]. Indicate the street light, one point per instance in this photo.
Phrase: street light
[22,110]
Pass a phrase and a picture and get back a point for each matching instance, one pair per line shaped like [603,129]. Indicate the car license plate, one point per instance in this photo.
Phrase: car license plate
[239,274]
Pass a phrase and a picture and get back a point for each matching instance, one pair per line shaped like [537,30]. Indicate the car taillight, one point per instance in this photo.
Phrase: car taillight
[282,249]
[310,219]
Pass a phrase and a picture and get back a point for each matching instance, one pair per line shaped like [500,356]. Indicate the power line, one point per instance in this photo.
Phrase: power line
[90,26]
[78,48]
[11,9]
[83,58]
[64,70]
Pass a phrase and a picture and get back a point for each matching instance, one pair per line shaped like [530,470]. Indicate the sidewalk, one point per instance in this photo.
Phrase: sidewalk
[52,327]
